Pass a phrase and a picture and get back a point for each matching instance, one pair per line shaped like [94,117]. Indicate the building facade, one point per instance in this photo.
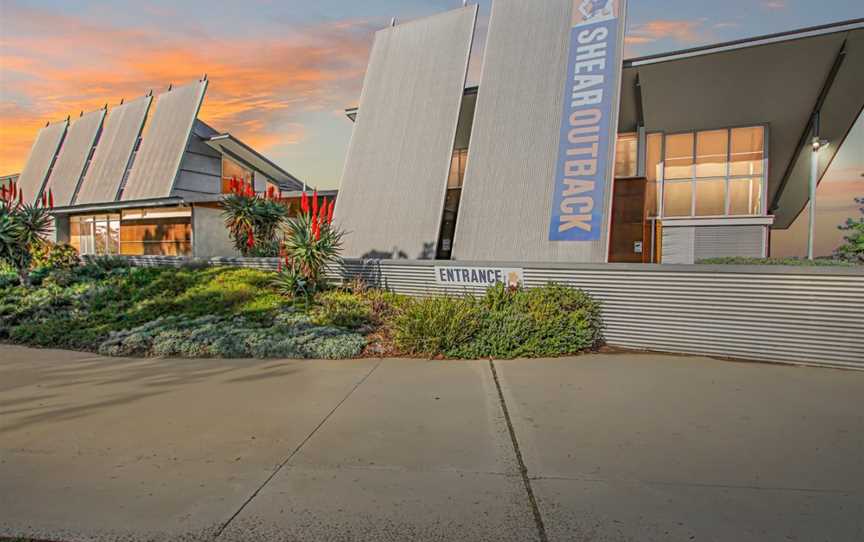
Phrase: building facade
[713,146]
[145,178]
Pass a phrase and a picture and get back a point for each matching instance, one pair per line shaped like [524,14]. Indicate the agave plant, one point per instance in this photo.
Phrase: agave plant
[23,227]
[311,243]
[253,220]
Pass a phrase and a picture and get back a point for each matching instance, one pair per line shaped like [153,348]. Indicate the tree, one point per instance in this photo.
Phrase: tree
[253,220]
[23,228]
[853,249]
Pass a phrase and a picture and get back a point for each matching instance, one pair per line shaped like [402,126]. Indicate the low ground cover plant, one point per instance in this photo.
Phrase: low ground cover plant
[111,308]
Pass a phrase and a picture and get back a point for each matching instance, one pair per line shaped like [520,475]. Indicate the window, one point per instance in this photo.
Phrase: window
[95,234]
[165,231]
[654,159]
[627,156]
[233,170]
[720,171]
[457,168]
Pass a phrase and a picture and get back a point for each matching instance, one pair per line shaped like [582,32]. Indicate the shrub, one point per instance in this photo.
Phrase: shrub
[435,325]
[505,323]
[341,309]
[542,322]
[55,256]
[797,262]
[215,337]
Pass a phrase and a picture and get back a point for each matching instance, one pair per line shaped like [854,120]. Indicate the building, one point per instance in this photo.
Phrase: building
[144,178]
[713,152]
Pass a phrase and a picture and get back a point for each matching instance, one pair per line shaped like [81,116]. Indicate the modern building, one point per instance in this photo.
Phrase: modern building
[713,150]
[144,178]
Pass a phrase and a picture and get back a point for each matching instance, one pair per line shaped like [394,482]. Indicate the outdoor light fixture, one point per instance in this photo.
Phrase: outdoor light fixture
[818,144]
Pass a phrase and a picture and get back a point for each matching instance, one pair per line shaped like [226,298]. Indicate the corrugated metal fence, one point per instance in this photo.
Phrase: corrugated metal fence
[782,314]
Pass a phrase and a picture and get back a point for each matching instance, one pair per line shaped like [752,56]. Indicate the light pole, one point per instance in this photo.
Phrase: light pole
[818,144]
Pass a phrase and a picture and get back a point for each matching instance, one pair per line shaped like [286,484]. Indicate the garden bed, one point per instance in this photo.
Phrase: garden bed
[110,308]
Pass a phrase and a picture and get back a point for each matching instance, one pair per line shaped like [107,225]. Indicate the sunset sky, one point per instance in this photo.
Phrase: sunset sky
[281,72]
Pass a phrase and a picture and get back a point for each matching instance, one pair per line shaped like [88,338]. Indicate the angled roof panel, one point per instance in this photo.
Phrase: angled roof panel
[119,135]
[158,160]
[395,178]
[41,157]
[843,105]
[69,167]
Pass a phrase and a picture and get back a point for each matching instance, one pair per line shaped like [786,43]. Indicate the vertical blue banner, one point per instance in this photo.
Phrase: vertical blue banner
[586,154]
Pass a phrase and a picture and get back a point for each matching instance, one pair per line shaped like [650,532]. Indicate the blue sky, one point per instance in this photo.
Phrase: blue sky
[281,71]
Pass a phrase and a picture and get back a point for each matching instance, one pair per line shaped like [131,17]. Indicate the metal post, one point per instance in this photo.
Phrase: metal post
[814,174]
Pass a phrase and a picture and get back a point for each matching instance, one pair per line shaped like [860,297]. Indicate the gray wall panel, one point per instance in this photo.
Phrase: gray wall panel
[730,241]
[393,187]
[679,245]
[73,157]
[119,134]
[41,157]
[210,237]
[510,178]
[158,161]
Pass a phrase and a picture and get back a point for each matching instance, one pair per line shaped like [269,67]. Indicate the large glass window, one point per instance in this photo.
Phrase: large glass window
[95,234]
[721,171]
[627,156]
[653,174]
[156,232]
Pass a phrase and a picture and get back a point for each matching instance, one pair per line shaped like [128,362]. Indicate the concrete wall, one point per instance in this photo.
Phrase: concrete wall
[392,194]
[210,237]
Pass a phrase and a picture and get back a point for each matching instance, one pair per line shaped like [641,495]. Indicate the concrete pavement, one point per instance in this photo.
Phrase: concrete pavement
[601,447]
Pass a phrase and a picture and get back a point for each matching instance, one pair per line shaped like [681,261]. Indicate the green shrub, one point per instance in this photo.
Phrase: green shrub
[549,321]
[542,322]
[55,256]
[214,337]
[435,325]
[341,309]
[797,262]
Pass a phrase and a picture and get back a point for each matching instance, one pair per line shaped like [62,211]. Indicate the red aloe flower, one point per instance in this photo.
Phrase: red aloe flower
[50,198]
[315,202]
[304,203]
[330,212]
[250,239]
[20,196]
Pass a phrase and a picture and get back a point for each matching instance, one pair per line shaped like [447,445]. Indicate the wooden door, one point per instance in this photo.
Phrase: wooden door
[628,243]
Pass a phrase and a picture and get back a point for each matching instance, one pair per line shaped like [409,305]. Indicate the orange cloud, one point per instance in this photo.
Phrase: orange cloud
[259,87]
[683,31]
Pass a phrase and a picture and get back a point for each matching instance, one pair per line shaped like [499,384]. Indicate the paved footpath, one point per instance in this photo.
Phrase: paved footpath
[623,447]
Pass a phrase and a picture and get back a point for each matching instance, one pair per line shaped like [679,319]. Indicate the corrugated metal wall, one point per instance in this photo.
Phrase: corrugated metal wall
[777,314]
[42,155]
[76,151]
[679,245]
[726,241]
[164,144]
[507,199]
[789,315]
[119,135]
[392,193]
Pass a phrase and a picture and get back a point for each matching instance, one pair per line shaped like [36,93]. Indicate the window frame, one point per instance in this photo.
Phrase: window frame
[728,178]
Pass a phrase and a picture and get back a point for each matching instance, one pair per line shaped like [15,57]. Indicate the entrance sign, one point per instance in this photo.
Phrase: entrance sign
[479,276]
[589,124]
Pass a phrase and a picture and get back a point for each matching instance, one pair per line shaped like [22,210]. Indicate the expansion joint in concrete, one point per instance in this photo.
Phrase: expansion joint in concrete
[296,450]
[523,470]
